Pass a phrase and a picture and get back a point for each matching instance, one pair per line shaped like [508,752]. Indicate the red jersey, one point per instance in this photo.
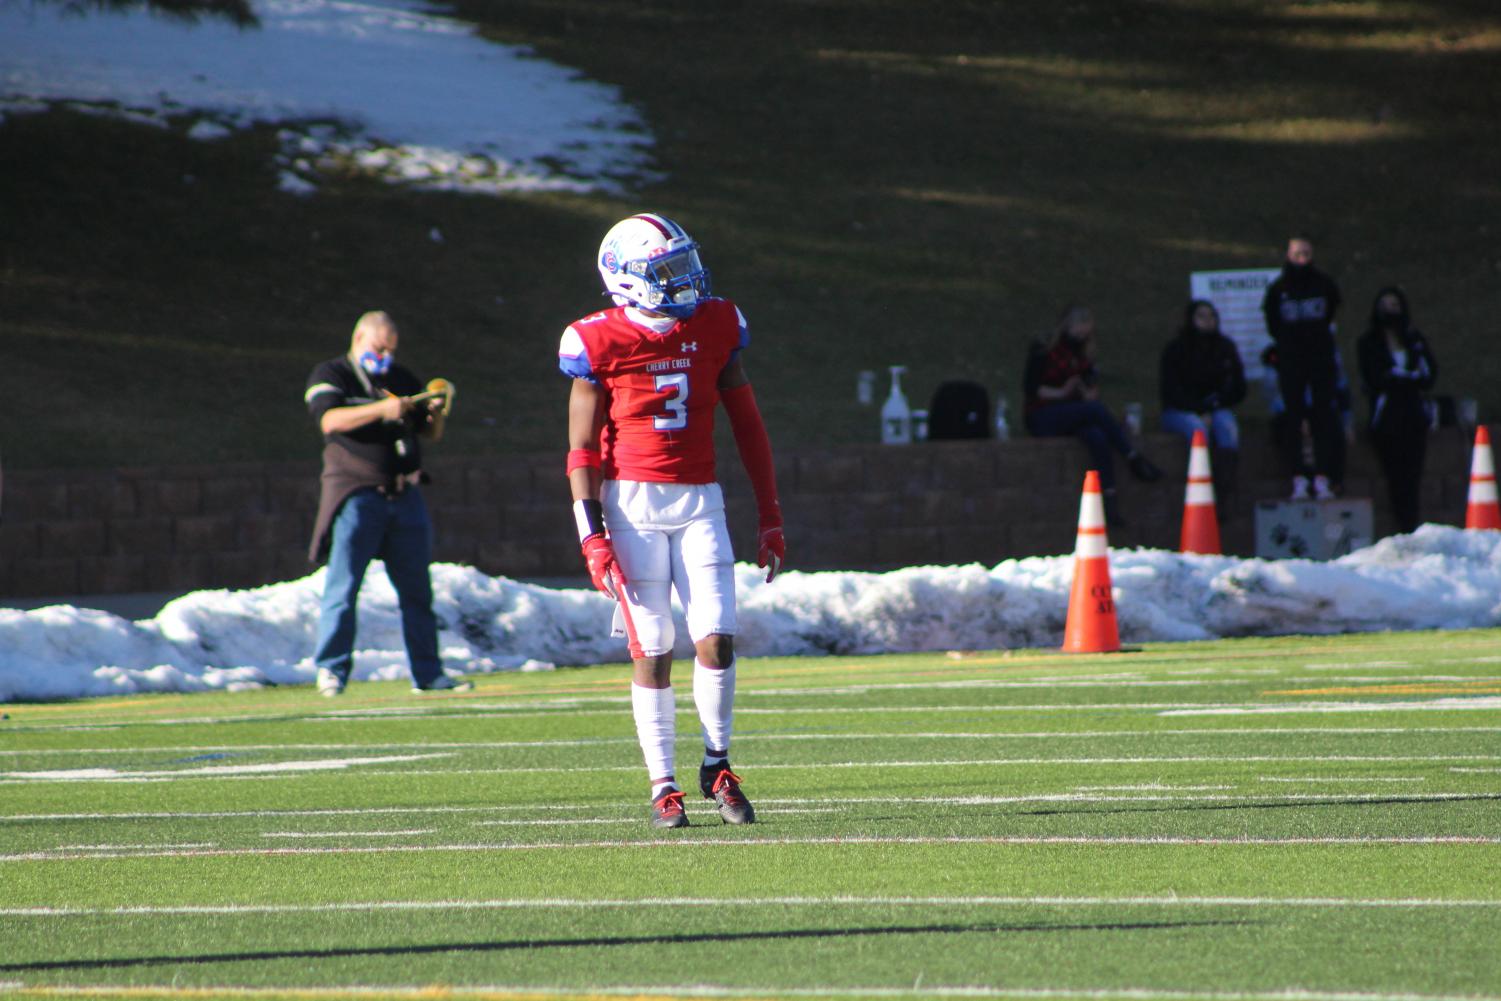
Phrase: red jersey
[662,387]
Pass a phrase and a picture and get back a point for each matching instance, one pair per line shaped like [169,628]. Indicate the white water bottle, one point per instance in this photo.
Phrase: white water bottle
[896,416]
[1002,425]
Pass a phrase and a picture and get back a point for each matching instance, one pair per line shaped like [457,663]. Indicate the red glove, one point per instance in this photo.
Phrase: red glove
[771,550]
[604,568]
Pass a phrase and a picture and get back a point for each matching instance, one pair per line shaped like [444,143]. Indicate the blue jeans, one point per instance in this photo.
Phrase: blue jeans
[396,530]
[1220,429]
[1094,425]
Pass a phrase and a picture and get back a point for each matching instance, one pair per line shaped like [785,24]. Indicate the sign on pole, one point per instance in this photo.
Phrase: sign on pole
[1237,295]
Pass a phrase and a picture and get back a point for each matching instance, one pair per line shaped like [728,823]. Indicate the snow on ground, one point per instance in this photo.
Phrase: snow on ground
[1436,578]
[381,86]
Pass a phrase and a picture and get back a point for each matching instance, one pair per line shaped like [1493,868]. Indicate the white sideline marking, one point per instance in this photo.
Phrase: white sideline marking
[518,993]
[1003,841]
[1446,704]
[109,775]
[764,737]
[213,771]
[470,711]
[345,834]
[784,802]
[564,903]
[1335,780]
[126,848]
[1040,762]
[1151,787]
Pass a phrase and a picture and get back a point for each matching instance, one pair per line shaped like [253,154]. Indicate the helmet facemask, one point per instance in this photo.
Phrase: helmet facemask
[675,282]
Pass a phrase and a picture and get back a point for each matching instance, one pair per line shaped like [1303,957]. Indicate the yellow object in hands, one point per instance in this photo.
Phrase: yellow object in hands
[444,391]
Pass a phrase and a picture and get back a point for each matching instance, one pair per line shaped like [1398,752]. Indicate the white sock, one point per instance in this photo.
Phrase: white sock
[656,728]
[714,695]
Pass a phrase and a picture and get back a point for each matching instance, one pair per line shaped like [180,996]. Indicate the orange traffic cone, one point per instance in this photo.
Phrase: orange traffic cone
[1091,626]
[1482,510]
[1201,529]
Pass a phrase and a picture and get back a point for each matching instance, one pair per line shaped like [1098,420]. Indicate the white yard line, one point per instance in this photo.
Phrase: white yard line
[111,776]
[780,802]
[126,848]
[348,834]
[582,903]
[1337,779]
[646,993]
[1450,703]
[211,771]
[616,706]
[1269,731]
[107,775]
[742,843]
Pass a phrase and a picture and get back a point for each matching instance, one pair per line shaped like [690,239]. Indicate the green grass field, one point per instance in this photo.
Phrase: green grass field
[1290,818]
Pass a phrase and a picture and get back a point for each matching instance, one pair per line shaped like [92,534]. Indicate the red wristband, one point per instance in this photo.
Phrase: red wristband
[580,458]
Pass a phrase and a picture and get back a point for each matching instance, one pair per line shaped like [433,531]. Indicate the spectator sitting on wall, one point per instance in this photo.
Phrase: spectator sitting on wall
[1062,387]
[1201,379]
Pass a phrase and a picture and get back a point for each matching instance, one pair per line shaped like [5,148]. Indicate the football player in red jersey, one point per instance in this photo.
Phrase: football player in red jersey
[648,375]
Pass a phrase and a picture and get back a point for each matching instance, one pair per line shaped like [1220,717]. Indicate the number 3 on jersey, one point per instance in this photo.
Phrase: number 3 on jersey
[676,417]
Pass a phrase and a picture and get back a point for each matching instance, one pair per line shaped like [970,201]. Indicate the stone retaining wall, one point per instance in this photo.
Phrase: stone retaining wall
[866,507]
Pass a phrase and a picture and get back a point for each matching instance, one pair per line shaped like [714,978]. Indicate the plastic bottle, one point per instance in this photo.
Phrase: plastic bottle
[896,416]
[1002,423]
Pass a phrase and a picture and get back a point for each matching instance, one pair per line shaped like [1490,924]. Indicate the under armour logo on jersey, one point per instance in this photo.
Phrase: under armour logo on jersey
[690,345]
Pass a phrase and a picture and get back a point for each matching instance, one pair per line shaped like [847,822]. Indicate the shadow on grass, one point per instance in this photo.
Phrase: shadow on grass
[131,962]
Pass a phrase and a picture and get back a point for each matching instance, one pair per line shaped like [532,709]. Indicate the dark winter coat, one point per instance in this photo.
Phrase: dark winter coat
[1201,372]
[1299,307]
[1397,390]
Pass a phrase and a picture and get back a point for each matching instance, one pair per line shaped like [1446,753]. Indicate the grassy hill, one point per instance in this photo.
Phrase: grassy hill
[874,182]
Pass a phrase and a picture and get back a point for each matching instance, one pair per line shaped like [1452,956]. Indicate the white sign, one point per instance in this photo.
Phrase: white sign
[1237,295]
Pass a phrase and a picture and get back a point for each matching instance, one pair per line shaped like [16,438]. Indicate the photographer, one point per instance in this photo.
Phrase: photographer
[371,412]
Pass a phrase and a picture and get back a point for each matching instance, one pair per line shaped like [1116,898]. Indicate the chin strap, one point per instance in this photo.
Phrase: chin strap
[755,451]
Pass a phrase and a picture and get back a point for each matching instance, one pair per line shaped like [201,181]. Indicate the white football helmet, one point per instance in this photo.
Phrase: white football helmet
[651,262]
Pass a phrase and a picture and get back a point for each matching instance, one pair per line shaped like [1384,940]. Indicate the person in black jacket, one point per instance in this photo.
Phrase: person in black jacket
[371,411]
[1201,379]
[1397,369]
[1299,307]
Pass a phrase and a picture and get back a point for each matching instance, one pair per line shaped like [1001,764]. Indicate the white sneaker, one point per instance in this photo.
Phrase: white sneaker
[329,683]
[1321,489]
[1300,488]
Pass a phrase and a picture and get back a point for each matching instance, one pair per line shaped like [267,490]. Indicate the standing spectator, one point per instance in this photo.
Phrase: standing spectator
[1397,369]
[1202,378]
[371,505]
[1300,306]
[1062,387]
[648,378]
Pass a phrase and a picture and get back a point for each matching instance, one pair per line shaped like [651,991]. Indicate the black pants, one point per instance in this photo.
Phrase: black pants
[1401,445]
[1309,386]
